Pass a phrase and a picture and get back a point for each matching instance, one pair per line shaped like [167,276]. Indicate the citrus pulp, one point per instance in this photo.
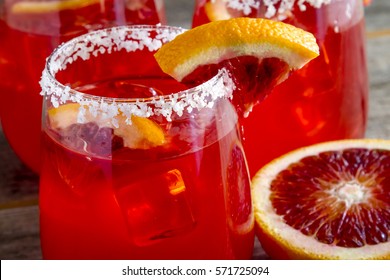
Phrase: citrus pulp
[326,201]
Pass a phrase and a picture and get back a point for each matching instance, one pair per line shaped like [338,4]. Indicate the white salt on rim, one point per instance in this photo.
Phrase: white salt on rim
[285,6]
[130,38]
[283,9]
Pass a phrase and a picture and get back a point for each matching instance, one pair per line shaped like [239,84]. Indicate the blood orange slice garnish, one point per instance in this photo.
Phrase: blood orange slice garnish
[259,53]
[326,201]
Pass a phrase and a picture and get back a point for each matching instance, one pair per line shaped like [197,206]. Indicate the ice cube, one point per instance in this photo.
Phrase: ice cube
[156,208]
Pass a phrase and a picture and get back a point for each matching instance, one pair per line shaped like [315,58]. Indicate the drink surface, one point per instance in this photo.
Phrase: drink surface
[186,199]
[325,100]
[28,38]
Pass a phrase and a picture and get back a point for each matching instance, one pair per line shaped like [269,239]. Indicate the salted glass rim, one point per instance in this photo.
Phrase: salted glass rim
[197,97]
[286,5]
[277,8]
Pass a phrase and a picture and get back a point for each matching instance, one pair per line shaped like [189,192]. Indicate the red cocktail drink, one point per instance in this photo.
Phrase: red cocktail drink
[326,99]
[137,165]
[30,30]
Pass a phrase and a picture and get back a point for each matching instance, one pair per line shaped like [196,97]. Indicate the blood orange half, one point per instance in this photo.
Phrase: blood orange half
[327,201]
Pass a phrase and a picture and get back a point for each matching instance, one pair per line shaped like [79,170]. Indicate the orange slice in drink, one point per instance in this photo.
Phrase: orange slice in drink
[217,10]
[141,133]
[259,53]
[327,201]
[64,115]
[50,6]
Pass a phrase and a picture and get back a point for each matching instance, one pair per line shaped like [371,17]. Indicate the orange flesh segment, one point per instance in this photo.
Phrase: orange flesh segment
[151,131]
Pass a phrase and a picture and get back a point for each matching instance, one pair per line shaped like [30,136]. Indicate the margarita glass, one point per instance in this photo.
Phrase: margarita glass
[136,165]
[326,99]
[30,30]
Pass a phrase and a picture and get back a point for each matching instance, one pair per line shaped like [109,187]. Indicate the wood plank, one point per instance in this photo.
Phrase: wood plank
[19,233]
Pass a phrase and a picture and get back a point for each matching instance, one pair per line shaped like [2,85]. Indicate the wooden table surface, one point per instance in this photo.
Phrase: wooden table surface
[19,223]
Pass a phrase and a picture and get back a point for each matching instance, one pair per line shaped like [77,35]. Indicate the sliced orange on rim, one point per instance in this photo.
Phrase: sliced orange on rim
[221,40]
[258,52]
[326,201]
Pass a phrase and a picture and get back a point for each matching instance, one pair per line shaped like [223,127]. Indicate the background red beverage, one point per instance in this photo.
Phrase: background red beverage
[26,40]
[326,100]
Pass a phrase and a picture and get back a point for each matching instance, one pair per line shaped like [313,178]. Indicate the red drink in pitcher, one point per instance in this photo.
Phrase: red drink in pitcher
[326,99]
[137,166]
[30,30]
